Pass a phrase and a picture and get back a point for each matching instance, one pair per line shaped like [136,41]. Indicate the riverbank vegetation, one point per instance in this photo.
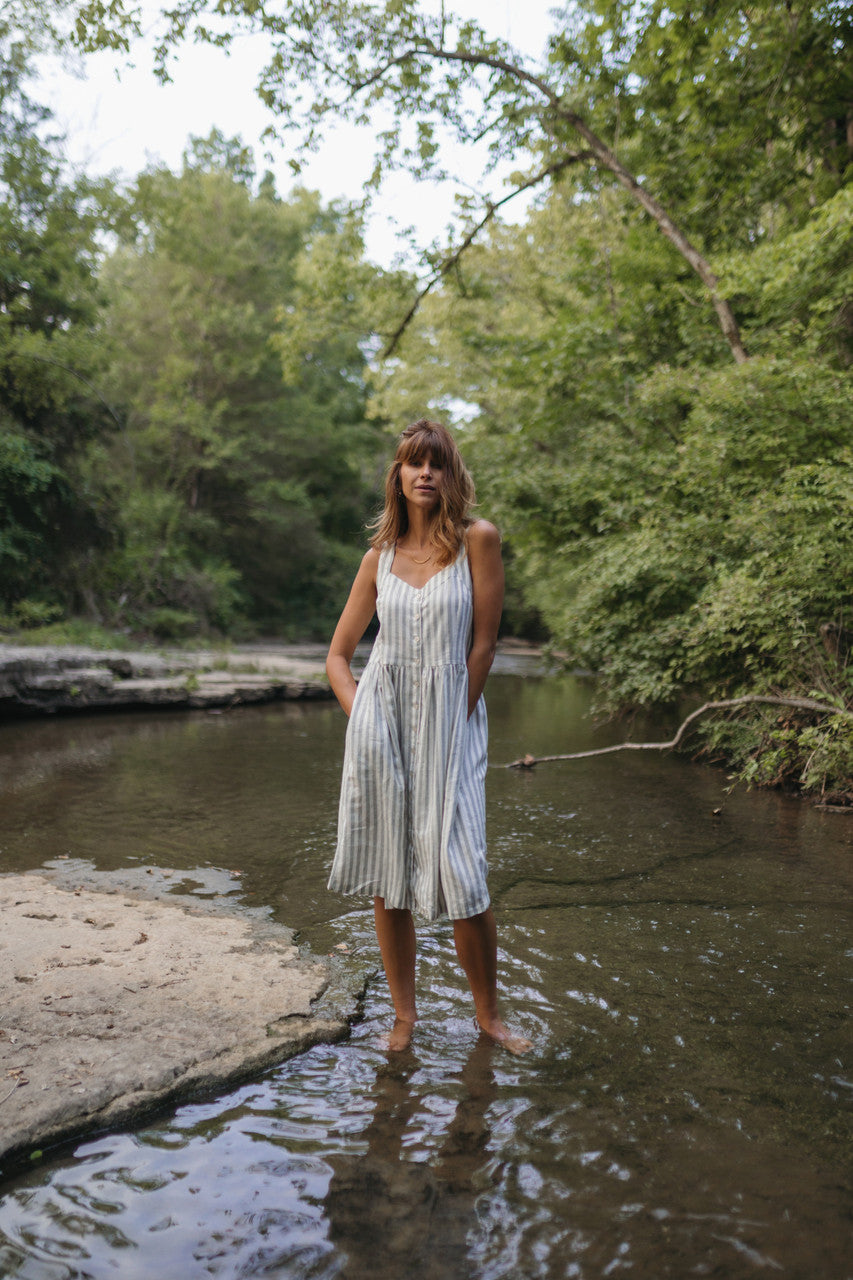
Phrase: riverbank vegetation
[158,471]
[650,369]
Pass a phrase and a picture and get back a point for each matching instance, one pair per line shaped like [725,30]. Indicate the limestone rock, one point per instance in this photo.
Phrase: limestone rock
[48,679]
[111,1006]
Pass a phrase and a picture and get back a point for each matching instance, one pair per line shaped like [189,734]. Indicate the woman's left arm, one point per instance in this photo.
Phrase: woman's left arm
[487,577]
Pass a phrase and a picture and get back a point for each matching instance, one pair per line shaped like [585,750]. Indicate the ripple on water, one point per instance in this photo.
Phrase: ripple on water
[453,1159]
[682,976]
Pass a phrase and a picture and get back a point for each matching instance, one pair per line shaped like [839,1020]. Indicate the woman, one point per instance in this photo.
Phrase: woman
[411,825]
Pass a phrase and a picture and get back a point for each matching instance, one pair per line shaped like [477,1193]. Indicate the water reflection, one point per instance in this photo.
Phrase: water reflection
[682,972]
[417,1215]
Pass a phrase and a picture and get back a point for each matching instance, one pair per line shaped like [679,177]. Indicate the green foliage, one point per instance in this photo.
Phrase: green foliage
[769,749]
[237,484]
[28,615]
[703,98]
[66,631]
[25,484]
[744,101]
[677,522]
[49,407]
[797,287]
[158,468]
[751,102]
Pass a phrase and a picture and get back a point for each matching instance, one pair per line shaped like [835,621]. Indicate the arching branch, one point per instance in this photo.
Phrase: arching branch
[666,224]
[447,264]
[298,34]
[802,704]
[598,150]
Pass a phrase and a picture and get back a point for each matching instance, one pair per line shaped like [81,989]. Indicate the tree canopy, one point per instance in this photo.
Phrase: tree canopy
[158,467]
[49,366]
[256,480]
[650,371]
[664,100]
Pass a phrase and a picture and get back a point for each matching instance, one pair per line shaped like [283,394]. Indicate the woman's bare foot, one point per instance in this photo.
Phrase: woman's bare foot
[399,1037]
[502,1035]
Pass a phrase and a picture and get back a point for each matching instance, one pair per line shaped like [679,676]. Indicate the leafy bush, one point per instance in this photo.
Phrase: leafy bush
[784,749]
[29,614]
[171,624]
[724,580]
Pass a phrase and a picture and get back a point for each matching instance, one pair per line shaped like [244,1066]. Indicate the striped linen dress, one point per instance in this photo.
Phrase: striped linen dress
[412,818]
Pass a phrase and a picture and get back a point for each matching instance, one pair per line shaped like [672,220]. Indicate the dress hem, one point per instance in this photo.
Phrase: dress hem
[410,904]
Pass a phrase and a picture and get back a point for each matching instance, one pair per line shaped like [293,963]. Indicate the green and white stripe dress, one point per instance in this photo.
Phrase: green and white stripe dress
[412,816]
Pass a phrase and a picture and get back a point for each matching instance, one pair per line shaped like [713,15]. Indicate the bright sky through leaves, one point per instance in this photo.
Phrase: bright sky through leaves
[119,118]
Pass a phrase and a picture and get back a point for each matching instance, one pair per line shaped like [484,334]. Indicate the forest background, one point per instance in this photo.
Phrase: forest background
[200,375]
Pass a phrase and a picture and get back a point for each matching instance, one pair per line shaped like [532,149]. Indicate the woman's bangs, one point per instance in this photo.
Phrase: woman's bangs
[418,446]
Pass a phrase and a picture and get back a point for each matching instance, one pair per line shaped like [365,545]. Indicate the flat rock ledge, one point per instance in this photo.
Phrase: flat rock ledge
[43,680]
[112,1006]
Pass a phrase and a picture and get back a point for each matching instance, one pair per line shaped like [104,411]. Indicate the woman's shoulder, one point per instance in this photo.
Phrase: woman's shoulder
[482,535]
[369,566]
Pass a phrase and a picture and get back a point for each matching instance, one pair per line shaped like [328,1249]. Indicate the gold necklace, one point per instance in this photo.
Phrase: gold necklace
[408,553]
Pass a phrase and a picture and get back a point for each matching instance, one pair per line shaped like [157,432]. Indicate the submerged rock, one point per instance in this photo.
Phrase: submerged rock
[113,1006]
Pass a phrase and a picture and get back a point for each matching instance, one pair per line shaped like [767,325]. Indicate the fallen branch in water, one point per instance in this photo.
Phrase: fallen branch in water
[803,704]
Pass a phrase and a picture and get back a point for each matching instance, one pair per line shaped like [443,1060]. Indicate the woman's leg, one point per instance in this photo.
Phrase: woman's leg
[477,948]
[395,931]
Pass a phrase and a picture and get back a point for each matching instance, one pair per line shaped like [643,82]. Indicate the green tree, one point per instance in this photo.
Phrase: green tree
[678,520]
[50,405]
[241,489]
[678,524]
[685,97]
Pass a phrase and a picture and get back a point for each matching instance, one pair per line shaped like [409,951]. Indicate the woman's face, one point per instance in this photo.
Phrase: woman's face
[421,482]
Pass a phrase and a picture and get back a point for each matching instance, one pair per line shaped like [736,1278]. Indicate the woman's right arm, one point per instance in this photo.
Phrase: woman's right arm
[353,623]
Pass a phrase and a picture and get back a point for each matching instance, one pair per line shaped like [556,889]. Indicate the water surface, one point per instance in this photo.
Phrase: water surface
[682,972]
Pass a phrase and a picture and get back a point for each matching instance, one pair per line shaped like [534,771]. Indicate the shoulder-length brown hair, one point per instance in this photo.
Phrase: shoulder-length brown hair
[456,491]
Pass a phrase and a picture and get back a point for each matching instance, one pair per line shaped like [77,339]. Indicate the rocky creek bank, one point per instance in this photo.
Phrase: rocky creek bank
[43,680]
[113,1004]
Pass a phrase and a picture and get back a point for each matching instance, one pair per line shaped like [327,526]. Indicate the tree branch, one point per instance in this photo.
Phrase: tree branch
[358,86]
[803,704]
[447,264]
[635,188]
[422,46]
[497,64]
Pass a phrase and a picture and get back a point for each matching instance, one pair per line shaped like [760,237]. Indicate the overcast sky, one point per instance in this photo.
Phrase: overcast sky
[119,119]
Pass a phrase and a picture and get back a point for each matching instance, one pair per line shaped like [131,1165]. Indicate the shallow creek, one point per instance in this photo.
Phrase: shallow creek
[685,1111]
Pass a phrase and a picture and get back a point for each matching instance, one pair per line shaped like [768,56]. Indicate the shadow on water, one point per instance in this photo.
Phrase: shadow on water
[682,972]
